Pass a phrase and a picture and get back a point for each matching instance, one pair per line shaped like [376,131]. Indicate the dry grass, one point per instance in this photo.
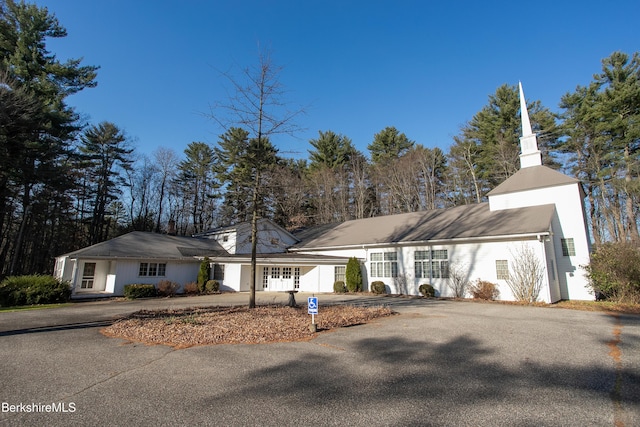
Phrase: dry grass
[235,325]
[604,306]
[607,306]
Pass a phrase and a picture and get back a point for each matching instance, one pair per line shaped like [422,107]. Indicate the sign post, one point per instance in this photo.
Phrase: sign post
[312,309]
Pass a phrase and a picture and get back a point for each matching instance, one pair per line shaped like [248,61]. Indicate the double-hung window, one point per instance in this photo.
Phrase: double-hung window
[433,264]
[568,247]
[384,264]
[152,269]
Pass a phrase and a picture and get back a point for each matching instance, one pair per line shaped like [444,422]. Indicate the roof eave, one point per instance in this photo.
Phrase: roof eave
[504,237]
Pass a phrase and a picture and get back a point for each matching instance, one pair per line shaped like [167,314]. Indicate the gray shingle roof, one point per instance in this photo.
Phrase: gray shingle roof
[531,178]
[461,222]
[138,244]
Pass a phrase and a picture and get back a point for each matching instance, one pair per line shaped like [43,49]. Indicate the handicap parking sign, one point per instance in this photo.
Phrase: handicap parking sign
[312,305]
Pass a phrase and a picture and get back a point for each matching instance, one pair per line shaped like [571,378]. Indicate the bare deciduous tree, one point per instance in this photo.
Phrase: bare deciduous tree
[526,274]
[257,105]
[458,280]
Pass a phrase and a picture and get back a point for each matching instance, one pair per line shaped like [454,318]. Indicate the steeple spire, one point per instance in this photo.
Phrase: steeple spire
[530,155]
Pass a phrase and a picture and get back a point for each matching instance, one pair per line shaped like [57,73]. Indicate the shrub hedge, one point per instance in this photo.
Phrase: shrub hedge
[33,289]
[134,291]
[339,287]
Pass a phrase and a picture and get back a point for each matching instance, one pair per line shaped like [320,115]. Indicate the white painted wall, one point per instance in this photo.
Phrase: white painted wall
[126,273]
[478,259]
[570,222]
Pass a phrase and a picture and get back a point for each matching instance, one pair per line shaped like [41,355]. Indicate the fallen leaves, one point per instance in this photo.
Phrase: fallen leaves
[235,325]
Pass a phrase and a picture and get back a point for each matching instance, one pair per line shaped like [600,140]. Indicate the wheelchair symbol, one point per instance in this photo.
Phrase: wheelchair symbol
[312,304]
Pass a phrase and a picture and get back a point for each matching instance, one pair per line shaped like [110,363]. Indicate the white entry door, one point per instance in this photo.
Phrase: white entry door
[280,279]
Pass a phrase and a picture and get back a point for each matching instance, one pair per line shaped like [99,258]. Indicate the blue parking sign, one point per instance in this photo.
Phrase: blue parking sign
[312,305]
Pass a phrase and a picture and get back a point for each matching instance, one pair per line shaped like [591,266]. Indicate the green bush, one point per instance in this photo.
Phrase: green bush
[339,287]
[427,290]
[614,272]
[212,286]
[203,274]
[139,291]
[481,289]
[378,287]
[33,289]
[353,275]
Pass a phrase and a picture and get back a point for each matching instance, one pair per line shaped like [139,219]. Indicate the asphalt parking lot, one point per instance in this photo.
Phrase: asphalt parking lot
[435,363]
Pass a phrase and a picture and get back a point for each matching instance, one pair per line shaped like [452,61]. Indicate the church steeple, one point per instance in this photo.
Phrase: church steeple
[529,153]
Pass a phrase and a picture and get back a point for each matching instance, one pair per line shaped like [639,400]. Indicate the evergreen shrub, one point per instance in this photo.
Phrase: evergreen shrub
[427,290]
[212,286]
[33,289]
[378,287]
[203,274]
[339,287]
[353,275]
[134,291]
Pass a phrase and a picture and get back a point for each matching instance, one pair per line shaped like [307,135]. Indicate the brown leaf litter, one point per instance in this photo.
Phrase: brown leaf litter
[236,325]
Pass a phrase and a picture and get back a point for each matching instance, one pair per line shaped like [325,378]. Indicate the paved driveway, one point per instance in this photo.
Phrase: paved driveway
[436,363]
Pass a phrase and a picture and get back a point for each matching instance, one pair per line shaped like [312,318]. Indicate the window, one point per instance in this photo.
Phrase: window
[296,278]
[225,238]
[502,269]
[152,269]
[432,264]
[339,273]
[265,277]
[286,272]
[88,272]
[275,272]
[384,264]
[142,271]
[568,247]
[218,272]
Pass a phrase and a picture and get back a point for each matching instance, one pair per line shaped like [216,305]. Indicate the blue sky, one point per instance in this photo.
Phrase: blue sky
[357,66]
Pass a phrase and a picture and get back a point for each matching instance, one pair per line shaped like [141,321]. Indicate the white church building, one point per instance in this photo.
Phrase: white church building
[537,207]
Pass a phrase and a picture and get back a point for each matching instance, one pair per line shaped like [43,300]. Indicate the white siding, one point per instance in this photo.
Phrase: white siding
[569,223]
[179,272]
[477,259]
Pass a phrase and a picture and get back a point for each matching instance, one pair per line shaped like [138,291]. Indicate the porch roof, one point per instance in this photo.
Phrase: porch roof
[282,258]
[145,245]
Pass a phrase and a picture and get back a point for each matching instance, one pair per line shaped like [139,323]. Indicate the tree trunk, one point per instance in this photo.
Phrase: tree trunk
[254,241]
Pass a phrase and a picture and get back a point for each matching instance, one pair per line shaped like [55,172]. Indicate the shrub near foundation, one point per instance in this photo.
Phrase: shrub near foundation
[33,289]
[191,288]
[212,286]
[139,291]
[481,289]
[339,287]
[427,290]
[378,287]
[167,288]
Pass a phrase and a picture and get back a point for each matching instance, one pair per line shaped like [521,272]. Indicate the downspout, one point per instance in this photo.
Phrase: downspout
[74,273]
[546,269]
